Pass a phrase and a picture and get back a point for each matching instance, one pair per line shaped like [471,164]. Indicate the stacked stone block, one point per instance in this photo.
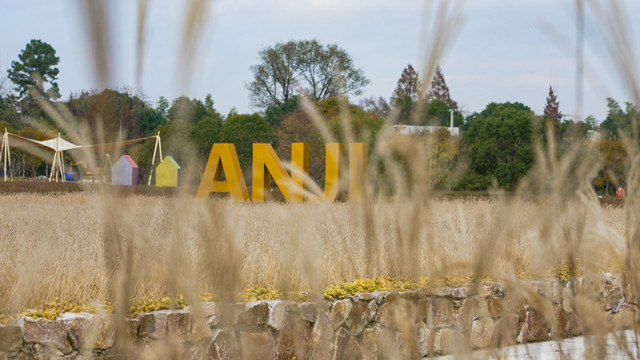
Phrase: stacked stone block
[378,325]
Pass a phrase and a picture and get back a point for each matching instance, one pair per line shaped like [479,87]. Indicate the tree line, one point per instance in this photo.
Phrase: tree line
[496,145]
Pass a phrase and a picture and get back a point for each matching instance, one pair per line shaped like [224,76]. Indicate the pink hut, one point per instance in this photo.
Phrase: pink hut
[125,171]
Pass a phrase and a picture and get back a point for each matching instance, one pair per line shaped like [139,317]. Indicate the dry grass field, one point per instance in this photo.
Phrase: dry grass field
[82,247]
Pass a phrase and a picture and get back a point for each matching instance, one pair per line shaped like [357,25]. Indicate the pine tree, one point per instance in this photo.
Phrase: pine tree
[439,90]
[408,85]
[552,108]
[405,95]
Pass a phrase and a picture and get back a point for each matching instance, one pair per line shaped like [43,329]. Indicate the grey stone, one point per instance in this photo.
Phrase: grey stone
[460,292]
[257,345]
[366,296]
[573,326]
[200,331]
[90,331]
[381,296]
[610,279]
[132,326]
[495,306]
[613,298]
[294,339]
[445,291]
[423,306]
[545,288]
[254,313]
[625,317]
[308,312]
[497,289]
[380,343]
[339,312]
[209,309]
[211,313]
[152,325]
[345,346]
[361,314]
[51,333]
[277,312]
[559,325]
[484,290]
[473,308]
[223,346]
[482,330]
[443,341]
[557,291]
[386,315]
[179,326]
[424,339]
[441,313]
[534,328]
[506,330]
[10,337]
[322,335]
[568,297]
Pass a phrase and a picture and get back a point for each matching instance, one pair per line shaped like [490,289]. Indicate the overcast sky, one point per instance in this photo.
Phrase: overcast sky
[503,50]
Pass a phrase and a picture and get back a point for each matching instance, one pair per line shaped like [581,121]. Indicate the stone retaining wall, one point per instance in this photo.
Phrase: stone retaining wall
[378,325]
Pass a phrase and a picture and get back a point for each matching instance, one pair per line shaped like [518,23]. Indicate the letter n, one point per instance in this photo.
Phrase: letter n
[267,164]
[223,157]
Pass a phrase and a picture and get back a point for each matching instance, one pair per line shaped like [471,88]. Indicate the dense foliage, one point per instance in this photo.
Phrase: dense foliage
[497,145]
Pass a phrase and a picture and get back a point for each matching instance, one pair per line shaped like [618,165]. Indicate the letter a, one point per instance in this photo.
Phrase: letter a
[223,157]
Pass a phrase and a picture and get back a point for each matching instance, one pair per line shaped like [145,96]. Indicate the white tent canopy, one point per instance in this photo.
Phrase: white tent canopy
[42,148]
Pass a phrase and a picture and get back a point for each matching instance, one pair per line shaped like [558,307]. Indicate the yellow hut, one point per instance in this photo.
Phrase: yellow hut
[168,173]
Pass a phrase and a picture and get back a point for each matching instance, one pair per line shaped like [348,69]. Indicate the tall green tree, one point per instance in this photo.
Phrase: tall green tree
[149,120]
[37,66]
[613,157]
[319,71]
[205,132]
[408,84]
[618,121]
[298,127]
[551,111]
[243,130]
[163,107]
[114,113]
[438,113]
[500,141]
[405,96]
[275,114]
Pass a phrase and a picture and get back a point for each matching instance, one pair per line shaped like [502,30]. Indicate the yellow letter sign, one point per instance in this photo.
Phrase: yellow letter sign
[225,155]
[266,165]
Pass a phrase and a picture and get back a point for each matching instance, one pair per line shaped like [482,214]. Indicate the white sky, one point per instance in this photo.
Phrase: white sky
[504,50]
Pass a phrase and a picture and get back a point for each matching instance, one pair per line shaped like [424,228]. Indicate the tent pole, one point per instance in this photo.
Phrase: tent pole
[53,166]
[3,153]
[107,159]
[61,167]
[153,159]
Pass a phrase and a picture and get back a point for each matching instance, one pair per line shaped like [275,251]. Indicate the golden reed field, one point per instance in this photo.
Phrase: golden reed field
[82,247]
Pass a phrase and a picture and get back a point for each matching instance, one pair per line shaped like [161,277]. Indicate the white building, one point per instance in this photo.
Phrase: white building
[418,130]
